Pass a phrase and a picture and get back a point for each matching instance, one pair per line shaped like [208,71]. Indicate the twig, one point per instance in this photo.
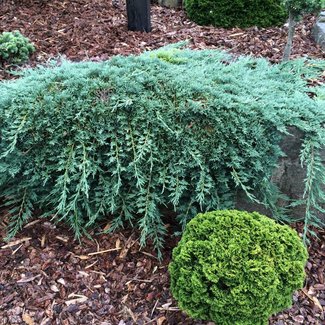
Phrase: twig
[17,249]
[104,251]
[31,223]
[168,308]
[16,242]
[154,307]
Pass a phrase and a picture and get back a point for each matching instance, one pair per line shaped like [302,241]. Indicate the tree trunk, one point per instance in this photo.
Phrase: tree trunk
[138,13]
[291,33]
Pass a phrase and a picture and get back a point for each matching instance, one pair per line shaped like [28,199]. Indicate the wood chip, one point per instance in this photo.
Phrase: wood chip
[27,319]
[317,303]
[54,288]
[64,239]
[82,257]
[16,242]
[61,281]
[236,34]
[161,320]
[76,301]
[43,241]
[25,280]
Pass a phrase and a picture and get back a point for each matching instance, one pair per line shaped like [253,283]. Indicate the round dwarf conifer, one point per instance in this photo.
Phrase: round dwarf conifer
[237,13]
[236,268]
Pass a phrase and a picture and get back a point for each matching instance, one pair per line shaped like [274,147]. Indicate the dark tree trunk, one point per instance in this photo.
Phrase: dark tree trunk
[138,12]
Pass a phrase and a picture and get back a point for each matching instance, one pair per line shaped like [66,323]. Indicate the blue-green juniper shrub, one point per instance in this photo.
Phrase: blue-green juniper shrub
[236,268]
[182,129]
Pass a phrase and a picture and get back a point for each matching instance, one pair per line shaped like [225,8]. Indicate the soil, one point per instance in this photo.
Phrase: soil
[47,277]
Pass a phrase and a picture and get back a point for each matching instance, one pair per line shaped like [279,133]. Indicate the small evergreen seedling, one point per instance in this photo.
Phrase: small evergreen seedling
[14,47]
[296,10]
[236,268]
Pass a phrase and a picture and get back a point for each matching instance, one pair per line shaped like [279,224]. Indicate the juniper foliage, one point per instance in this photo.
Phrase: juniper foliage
[128,137]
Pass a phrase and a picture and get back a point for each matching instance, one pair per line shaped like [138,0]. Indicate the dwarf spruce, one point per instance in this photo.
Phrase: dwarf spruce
[125,139]
[15,48]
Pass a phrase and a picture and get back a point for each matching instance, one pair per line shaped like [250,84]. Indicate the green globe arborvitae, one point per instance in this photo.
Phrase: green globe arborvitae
[238,13]
[236,268]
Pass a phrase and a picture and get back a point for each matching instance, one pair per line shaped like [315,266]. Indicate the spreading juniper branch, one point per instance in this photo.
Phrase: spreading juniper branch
[123,140]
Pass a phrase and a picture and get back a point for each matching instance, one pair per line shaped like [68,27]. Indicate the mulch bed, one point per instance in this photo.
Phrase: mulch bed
[46,277]
[96,30]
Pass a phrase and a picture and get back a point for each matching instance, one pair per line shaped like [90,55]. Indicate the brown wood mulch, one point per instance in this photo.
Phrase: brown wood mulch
[96,30]
[48,278]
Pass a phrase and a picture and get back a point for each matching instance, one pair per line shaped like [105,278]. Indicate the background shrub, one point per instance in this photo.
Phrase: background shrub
[14,47]
[234,267]
[237,13]
[128,137]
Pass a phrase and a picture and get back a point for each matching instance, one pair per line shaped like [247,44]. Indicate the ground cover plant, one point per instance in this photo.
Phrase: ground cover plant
[234,267]
[79,142]
[239,13]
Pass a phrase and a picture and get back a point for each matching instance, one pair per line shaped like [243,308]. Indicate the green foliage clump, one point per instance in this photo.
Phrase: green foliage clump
[238,13]
[298,8]
[14,47]
[131,136]
[236,268]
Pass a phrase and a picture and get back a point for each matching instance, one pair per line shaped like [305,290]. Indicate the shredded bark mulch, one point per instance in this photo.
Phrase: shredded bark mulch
[46,277]
[49,278]
[96,30]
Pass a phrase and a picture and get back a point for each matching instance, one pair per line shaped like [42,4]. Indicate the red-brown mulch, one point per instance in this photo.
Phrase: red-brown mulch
[94,29]
[48,278]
